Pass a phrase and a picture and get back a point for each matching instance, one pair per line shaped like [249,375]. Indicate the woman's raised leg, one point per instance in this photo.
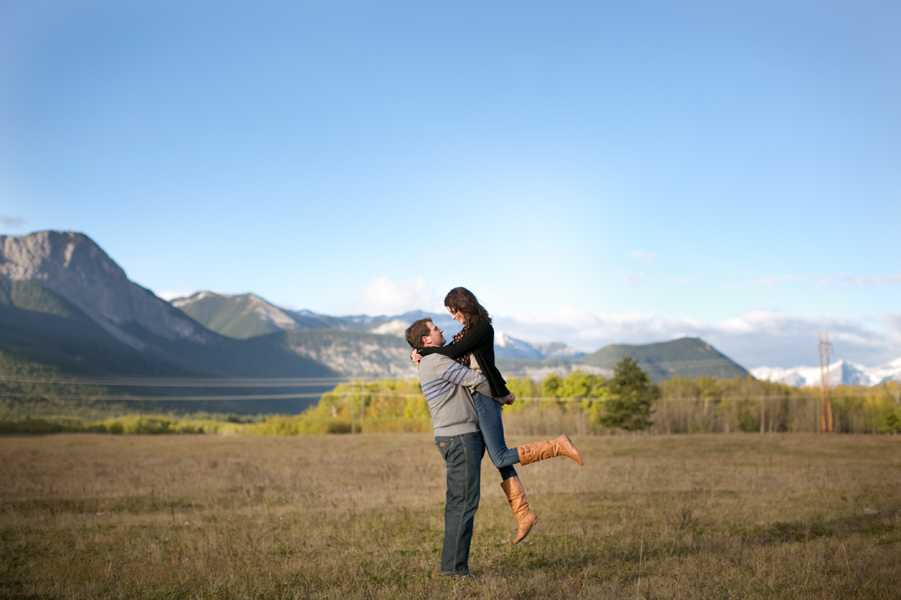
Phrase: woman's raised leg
[489,411]
[504,458]
[492,427]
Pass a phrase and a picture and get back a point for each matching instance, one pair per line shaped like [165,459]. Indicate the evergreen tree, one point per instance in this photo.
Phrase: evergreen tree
[631,395]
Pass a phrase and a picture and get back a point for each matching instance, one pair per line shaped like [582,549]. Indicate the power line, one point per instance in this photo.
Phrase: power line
[167,398]
[166,382]
[373,394]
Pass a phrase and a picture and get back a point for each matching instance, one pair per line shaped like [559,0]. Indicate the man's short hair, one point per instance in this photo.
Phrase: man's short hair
[416,332]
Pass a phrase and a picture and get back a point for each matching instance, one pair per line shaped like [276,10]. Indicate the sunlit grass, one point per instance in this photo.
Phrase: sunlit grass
[743,515]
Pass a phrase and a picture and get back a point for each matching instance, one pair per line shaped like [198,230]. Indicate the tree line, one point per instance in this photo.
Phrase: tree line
[586,404]
[579,403]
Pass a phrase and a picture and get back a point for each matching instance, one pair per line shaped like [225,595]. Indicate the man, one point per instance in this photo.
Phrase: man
[445,385]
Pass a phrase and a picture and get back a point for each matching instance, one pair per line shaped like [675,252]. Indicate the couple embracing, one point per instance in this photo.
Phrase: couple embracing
[465,393]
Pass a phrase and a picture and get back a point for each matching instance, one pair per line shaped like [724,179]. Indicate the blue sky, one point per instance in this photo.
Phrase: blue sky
[595,172]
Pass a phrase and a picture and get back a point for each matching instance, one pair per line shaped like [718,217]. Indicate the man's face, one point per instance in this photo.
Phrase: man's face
[435,337]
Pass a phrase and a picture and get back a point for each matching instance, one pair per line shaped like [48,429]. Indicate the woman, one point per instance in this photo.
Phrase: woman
[473,347]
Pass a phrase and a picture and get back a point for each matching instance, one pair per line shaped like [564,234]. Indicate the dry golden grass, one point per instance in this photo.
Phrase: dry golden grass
[715,516]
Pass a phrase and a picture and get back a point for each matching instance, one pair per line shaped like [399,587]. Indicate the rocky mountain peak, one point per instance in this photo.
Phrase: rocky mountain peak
[73,266]
[48,256]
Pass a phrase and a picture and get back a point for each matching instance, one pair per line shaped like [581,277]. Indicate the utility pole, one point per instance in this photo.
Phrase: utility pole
[822,384]
[828,385]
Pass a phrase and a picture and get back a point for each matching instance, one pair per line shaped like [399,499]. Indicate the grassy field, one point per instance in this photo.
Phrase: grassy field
[691,516]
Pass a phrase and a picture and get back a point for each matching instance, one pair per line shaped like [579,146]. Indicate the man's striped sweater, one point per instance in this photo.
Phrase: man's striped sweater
[445,385]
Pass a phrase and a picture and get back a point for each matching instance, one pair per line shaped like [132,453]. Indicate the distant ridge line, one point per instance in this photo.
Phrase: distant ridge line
[678,363]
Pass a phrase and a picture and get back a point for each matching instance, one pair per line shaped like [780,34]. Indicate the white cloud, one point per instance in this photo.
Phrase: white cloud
[847,281]
[887,279]
[642,255]
[636,280]
[384,297]
[171,295]
[753,340]
[893,321]
[774,281]
[11,222]
[840,280]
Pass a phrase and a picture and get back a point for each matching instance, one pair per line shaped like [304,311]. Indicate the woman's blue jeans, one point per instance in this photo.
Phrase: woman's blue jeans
[492,427]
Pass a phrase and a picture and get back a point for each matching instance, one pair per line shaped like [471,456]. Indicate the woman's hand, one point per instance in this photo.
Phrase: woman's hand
[510,399]
[415,356]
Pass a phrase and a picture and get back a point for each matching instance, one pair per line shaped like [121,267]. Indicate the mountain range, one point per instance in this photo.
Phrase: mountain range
[67,308]
[247,315]
[840,373]
[243,316]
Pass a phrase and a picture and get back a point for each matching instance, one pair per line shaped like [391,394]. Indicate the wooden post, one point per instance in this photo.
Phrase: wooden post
[362,403]
[822,385]
[762,414]
[353,415]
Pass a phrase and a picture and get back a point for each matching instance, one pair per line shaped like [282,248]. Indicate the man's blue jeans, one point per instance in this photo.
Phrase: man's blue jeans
[463,456]
[489,411]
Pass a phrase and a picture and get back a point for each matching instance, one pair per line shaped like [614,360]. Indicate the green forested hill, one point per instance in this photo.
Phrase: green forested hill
[229,318]
[686,357]
[244,316]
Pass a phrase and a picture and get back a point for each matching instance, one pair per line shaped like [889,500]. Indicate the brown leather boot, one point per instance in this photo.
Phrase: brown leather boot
[562,446]
[516,496]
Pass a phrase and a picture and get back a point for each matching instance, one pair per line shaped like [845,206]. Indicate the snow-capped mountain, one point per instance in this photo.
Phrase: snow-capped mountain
[840,373]
[509,347]
[558,350]
[888,372]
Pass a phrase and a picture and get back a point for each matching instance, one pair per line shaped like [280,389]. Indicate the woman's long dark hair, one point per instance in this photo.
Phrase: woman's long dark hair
[463,301]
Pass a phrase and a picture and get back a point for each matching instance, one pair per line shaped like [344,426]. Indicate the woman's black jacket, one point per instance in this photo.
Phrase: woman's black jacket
[480,341]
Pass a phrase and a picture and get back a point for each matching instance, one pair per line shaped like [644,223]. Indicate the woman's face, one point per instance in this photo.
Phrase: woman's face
[456,315]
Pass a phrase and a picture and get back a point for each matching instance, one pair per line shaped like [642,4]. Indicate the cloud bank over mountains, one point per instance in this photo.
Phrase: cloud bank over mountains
[755,339]
[381,296]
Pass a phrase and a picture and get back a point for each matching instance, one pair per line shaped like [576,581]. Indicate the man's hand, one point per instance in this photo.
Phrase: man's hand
[415,356]
[510,399]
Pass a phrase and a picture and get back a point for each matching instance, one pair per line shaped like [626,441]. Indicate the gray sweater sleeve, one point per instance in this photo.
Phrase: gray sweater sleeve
[443,381]
[460,375]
